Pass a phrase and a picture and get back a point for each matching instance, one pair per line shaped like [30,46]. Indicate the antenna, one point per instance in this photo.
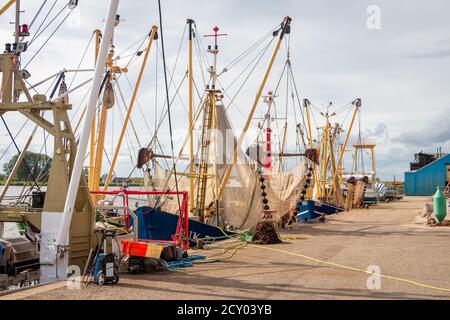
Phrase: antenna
[215,35]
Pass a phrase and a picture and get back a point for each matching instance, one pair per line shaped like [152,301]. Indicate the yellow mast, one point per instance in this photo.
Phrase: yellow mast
[190,116]
[6,6]
[357,104]
[98,36]
[306,104]
[107,103]
[152,36]
[337,196]
[285,29]
[325,160]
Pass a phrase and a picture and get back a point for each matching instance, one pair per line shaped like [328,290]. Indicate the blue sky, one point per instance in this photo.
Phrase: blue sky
[400,71]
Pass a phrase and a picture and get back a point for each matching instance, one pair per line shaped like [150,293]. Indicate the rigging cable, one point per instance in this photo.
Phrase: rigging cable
[257,58]
[172,82]
[139,107]
[168,105]
[37,14]
[42,22]
[18,150]
[199,58]
[48,39]
[162,118]
[297,96]
[126,109]
[251,71]
[37,35]
[250,49]
[81,61]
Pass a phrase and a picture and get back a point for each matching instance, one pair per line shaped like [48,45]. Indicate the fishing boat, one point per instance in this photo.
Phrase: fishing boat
[225,193]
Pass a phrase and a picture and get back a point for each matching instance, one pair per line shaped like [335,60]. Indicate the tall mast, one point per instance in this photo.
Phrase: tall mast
[190,116]
[17,23]
[209,115]
[16,43]
[91,173]
[357,105]
[107,102]
[91,183]
[316,175]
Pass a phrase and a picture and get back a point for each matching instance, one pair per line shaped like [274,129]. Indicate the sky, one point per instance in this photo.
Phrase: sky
[393,55]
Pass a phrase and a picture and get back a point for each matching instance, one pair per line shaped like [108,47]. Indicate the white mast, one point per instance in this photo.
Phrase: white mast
[63,235]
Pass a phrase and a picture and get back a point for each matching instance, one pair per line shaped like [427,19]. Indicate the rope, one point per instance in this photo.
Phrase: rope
[353,268]
[235,250]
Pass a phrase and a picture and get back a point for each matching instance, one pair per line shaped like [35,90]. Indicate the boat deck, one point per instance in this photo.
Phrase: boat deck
[384,236]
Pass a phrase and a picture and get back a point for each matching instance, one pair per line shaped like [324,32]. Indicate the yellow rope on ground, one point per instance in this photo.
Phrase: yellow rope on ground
[353,269]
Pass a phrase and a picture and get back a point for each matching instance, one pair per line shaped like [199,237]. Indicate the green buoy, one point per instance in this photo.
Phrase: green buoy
[439,205]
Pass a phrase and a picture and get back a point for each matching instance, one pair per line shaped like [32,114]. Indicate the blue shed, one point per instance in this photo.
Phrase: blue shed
[423,182]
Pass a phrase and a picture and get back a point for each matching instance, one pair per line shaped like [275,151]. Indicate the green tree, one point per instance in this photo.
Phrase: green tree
[38,164]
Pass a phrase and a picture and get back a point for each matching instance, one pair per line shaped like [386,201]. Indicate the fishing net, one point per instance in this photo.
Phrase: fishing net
[265,233]
[240,204]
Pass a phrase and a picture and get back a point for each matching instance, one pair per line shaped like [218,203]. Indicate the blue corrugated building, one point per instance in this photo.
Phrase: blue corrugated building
[423,182]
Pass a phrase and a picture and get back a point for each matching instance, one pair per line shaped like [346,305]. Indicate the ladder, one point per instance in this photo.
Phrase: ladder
[203,170]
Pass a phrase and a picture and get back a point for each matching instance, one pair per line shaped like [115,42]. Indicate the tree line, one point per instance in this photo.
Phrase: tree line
[34,166]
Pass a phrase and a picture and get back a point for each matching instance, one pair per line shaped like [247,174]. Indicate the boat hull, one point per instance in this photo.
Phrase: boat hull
[156,224]
[309,210]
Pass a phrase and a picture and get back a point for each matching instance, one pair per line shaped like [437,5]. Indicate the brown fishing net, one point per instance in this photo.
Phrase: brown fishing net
[265,233]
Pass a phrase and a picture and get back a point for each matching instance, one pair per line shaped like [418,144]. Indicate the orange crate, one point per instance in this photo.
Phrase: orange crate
[142,249]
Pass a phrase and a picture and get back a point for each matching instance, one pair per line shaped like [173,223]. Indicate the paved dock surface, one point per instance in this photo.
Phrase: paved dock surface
[383,236]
